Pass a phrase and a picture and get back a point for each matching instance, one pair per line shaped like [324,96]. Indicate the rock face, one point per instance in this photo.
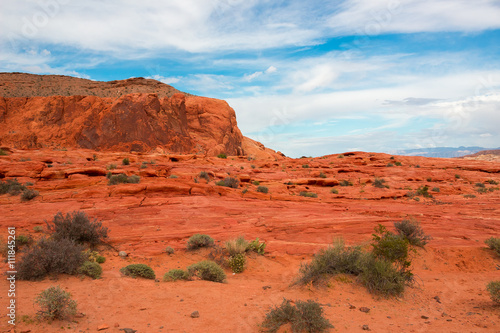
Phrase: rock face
[168,120]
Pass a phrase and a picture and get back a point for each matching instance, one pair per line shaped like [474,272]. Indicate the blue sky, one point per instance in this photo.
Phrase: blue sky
[304,77]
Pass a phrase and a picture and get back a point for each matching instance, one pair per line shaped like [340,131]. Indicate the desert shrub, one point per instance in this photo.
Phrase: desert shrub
[55,303]
[222,155]
[392,247]
[345,182]
[78,227]
[389,165]
[336,259]
[29,194]
[12,187]
[204,175]
[340,156]
[334,191]
[469,196]
[237,262]
[199,240]
[424,191]
[175,274]
[305,166]
[50,257]
[322,175]
[411,230]
[229,182]
[257,246]
[126,161]
[22,240]
[256,182]
[457,176]
[207,270]
[303,316]
[397,163]
[262,189]
[494,244]
[173,176]
[481,185]
[379,183]
[492,182]
[169,250]
[138,270]
[379,276]
[123,179]
[236,246]
[100,259]
[111,167]
[308,194]
[3,152]
[481,190]
[494,289]
[38,228]
[90,268]
[435,189]
[218,255]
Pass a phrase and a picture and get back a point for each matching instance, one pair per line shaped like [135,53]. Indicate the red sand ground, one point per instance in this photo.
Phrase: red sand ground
[161,211]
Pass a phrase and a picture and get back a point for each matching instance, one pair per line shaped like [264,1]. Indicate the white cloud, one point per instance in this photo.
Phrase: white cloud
[271,69]
[166,80]
[252,76]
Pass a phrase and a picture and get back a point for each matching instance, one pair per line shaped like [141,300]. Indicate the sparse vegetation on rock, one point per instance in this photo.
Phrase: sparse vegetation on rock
[229,182]
[199,240]
[308,194]
[123,179]
[78,227]
[262,189]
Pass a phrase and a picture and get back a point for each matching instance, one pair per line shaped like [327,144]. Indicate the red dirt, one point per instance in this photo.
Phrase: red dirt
[162,211]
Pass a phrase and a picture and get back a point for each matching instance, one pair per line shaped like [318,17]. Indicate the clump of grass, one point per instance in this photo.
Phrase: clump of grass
[322,175]
[379,183]
[345,182]
[204,175]
[91,269]
[222,155]
[469,196]
[229,182]
[334,191]
[199,240]
[340,156]
[138,270]
[494,244]
[126,161]
[207,270]
[494,289]
[397,163]
[303,317]
[256,182]
[123,179]
[55,303]
[237,246]
[457,176]
[175,275]
[308,194]
[262,189]
[411,230]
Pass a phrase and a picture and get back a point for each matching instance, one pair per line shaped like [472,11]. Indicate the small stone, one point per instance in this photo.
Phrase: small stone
[437,299]
[352,307]
[117,325]
[449,320]
[364,309]
[128,330]
[424,317]
[366,328]
[102,327]
[195,314]
[266,287]
[123,254]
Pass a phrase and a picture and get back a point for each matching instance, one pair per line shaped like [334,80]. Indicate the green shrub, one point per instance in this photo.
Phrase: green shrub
[237,262]
[494,289]
[92,269]
[12,187]
[256,182]
[322,175]
[169,250]
[435,189]
[345,182]
[138,270]
[457,176]
[204,175]
[390,165]
[38,228]
[55,303]
[303,317]
[126,161]
[100,259]
[3,152]
[308,194]
[207,270]
[481,190]
[123,179]
[262,189]
[334,191]
[340,156]
[111,167]
[199,240]
[77,226]
[334,260]
[237,246]
[379,276]
[411,230]
[24,240]
[29,194]
[379,183]
[394,248]
[175,274]
[481,185]
[424,191]
[229,182]
[492,182]
[222,155]
[397,163]
[494,244]
[50,257]
[256,246]
[305,166]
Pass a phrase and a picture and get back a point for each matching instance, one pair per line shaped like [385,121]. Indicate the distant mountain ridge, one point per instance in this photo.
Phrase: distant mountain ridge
[443,152]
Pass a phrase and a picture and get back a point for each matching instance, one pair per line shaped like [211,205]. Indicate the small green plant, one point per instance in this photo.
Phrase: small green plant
[322,174]
[175,275]
[91,269]
[494,289]
[199,240]
[22,240]
[436,189]
[138,270]
[457,176]
[237,246]
[480,185]
[411,230]
[380,277]
[469,196]
[389,165]
[37,228]
[173,176]
[340,156]
[308,194]
[379,183]
[492,182]
[424,191]
[144,165]
[256,246]
[253,166]
[256,182]
[303,317]
[3,152]
[12,187]
[393,248]
[237,262]
[126,161]
[123,179]
[262,189]
[494,244]
[229,182]
[207,270]
[305,166]
[169,250]
[204,175]
[55,303]
[111,167]
[334,191]
[397,163]
[222,155]
[29,194]
[345,182]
